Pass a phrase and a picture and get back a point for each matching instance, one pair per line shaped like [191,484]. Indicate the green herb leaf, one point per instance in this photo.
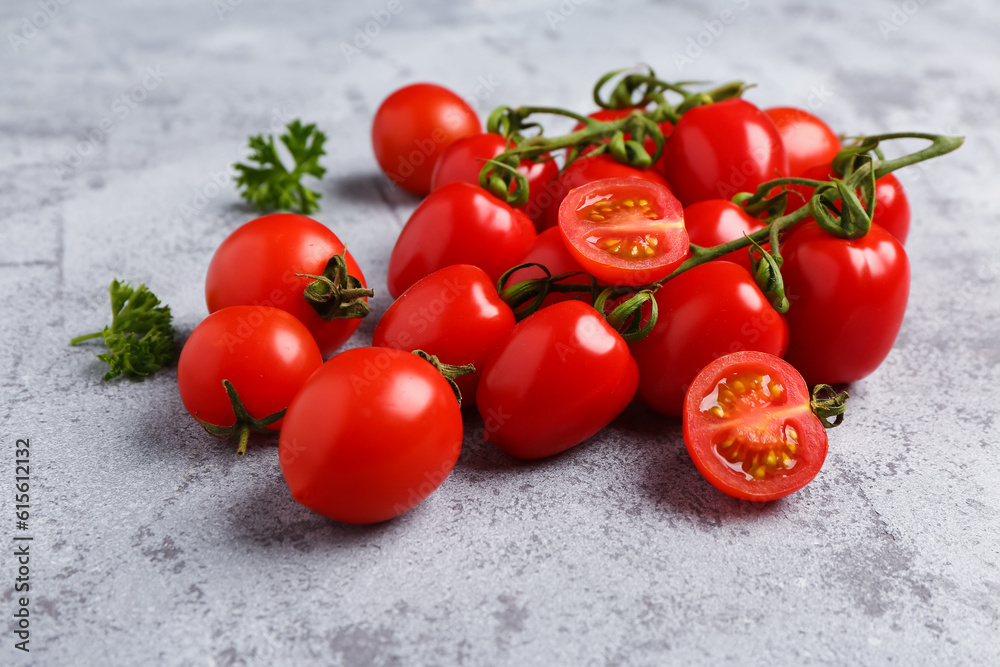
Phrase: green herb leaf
[270,186]
[140,339]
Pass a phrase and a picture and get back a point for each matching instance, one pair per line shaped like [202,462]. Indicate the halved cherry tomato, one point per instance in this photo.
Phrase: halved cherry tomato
[807,139]
[714,221]
[624,231]
[749,428]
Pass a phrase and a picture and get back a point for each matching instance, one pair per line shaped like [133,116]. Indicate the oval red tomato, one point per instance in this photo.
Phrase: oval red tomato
[712,222]
[807,139]
[749,428]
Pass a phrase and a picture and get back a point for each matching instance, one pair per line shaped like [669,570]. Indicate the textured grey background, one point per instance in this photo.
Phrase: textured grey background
[154,544]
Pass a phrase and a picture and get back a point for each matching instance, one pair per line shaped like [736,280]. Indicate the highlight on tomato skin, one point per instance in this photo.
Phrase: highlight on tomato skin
[749,428]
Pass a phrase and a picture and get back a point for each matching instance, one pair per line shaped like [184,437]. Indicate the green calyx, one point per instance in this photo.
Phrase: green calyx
[447,371]
[626,317]
[245,422]
[336,294]
[526,297]
[826,403]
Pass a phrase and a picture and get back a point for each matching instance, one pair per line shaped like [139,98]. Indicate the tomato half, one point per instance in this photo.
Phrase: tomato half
[714,221]
[749,428]
[624,231]
[262,263]
[807,139]
[459,223]
[370,436]
[413,126]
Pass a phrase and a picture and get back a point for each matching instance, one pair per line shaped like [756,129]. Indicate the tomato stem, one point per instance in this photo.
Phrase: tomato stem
[243,424]
[447,371]
[336,294]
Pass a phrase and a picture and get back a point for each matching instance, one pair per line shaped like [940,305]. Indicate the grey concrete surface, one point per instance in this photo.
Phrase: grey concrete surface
[154,544]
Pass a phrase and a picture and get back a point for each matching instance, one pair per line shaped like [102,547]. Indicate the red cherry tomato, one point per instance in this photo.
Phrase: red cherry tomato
[892,210]
[807,139]
[463,160]
[264,352]
[847,299]
[370,436]
[704,313]
[614,114]
[624,231]
[261,263]
[560,377]
[749,428]
[455,314]
[719,149]
[550,251]
[582,171]
[714,221]
[459,223]
[413,126]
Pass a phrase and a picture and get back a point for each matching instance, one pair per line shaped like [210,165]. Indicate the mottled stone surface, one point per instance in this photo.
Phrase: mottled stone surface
[154,544]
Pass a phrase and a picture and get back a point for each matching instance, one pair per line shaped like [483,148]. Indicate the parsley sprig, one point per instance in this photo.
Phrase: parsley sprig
[140,339]
[271,186]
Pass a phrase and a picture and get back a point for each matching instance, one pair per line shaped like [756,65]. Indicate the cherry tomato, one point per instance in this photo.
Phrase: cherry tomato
[614,114]
[455,314]
[261,263]
[459,223]
[463,160]
[560,377]
[583,171]
[749,428]
[370,436]
[892,210]
[704,313]
[714,221]
[413,126]
[264,352]
[550,251]
[722,148]
[807,139]
[847,301]
[624,231]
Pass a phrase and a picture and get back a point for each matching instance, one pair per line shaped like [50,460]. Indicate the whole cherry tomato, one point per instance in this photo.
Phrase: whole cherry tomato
[370,436]
[267,261]
[454,314]
[550,251]
[714,221]
[704,313]
[413,126]
[582,171]
[560,377]
[749,428]
[847,299]
[722,148]
[459,223]
[807,139]
[463,160]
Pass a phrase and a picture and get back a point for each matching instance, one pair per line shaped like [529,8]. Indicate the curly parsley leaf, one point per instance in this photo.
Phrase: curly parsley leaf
[270,186]
[140,339]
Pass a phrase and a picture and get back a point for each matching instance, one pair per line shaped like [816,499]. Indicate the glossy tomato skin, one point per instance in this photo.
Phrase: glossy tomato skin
[370,436]
[459,223]
[264,352]
[807,139]
[454,314]
[715,221]
[258,265]
[560,377]
[719,149]
[582,171]
[550,251]
[704,313]
[463,160]
[749,429]
[413,126]
[847,300]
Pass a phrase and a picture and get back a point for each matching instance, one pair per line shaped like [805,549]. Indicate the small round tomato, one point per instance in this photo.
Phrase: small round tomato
[459,223]
[560,377]
[370,436]
[722,148]
[847,299]
[624,231]
[704,313]
[264,352]
[550,251]
[463,160]
[454,314]
[582,171]
[264,263]
[807,139]
[749,428]
[413,126]
[715,221]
